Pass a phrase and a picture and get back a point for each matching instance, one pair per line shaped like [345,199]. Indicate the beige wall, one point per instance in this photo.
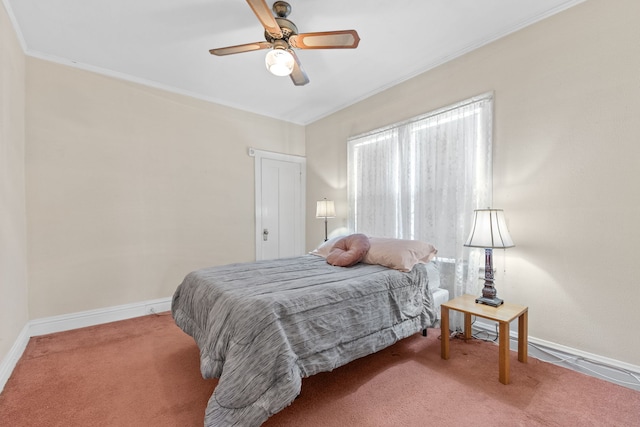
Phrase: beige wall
[566,166]
[13,256]
[129,187]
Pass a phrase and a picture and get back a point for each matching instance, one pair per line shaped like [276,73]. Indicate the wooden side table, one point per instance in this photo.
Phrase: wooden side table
[502,314]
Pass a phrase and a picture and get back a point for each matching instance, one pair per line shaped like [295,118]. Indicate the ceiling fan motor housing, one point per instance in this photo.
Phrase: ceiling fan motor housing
[288,29]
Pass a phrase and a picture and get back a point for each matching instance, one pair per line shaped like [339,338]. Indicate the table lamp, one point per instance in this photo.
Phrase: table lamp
[325,209]
[489,231]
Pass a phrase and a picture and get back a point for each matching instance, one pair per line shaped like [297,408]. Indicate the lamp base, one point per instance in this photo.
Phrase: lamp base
[493,302]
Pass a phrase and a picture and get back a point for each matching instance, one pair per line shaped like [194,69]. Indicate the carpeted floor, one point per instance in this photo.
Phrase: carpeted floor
[145,372]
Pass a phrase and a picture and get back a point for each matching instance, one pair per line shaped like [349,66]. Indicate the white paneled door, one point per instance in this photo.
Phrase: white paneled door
[280,183]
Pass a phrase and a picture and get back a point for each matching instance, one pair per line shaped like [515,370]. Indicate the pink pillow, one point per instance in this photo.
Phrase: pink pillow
[398,254]
[349,250]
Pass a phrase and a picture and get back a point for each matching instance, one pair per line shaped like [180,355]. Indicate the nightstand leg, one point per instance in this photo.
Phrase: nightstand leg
[467,326]
[503,349]
[523,337]
[444,332]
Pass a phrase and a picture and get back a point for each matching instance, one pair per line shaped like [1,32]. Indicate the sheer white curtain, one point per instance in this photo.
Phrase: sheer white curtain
[422,179]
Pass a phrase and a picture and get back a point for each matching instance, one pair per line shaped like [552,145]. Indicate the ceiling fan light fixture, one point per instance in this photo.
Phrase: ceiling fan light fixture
[279,62]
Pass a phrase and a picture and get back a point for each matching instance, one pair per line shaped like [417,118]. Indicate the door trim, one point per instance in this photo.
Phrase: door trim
[258,155]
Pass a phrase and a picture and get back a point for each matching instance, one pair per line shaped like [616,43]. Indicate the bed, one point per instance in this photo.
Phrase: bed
[263,326]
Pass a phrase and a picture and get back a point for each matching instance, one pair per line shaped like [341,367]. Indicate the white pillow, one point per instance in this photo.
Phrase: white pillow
[324,249]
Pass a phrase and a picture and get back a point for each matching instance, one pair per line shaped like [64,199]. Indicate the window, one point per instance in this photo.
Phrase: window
[422,179]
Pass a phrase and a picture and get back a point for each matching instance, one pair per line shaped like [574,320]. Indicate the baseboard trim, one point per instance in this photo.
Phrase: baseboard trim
[99,316]
[49,325]
[15,353]
[612,370]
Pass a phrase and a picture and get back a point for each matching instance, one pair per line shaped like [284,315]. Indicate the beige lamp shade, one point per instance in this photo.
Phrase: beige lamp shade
[489,230]
[325,209]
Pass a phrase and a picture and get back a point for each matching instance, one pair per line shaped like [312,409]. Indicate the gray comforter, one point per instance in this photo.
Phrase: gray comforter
[261,327]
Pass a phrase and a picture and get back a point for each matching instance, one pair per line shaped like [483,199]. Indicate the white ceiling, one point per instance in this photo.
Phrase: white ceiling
[165,44]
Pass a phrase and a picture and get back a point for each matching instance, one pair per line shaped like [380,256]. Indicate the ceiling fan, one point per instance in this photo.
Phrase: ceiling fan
[282,37]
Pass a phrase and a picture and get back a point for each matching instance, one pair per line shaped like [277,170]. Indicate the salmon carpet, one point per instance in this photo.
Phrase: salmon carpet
[145,372]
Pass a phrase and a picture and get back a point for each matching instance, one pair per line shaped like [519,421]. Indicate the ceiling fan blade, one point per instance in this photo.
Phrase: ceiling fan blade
[263,12]
[298,75]
[230,50]
[346,39]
